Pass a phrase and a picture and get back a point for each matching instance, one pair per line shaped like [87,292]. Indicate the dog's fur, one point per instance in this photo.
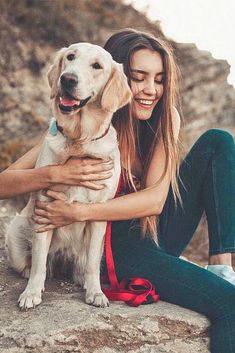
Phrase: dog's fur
[86,132]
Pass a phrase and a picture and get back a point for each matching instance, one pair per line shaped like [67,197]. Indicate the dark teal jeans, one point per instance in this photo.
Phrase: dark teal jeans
[208,175]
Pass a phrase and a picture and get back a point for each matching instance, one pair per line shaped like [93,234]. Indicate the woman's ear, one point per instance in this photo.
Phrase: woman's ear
[54,72]
[117,92]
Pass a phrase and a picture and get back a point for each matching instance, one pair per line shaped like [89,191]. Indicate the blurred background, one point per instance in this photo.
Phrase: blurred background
[33,30]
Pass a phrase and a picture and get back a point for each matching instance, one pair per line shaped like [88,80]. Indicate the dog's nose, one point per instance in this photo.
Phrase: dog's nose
[69,80]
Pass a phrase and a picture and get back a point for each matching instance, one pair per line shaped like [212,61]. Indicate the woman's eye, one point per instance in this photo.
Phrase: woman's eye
[137,79]
[96,66]
[159,80]
[70,57]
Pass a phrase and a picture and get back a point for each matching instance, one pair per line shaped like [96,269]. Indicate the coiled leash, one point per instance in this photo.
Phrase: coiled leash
[133,291]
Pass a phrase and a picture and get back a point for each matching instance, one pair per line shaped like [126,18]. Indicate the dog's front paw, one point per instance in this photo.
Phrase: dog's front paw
[97,299]
[30,298]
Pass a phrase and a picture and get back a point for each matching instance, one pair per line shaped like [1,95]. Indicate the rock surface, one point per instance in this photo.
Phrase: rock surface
[64,323]
[208,101]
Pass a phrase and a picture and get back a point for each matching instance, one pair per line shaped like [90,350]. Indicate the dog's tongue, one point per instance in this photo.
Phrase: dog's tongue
[69,102]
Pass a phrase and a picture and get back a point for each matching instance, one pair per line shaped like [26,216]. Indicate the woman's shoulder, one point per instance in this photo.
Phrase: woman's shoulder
[175,114]
[176,122]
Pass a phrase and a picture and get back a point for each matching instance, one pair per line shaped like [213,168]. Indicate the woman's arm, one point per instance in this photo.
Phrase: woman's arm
[149,201]
[21,177]
[135,205]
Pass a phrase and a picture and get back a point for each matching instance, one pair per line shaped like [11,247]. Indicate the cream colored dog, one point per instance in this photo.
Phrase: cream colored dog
[87,86]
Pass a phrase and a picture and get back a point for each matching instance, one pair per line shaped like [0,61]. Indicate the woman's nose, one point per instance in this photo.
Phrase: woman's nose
[150,87]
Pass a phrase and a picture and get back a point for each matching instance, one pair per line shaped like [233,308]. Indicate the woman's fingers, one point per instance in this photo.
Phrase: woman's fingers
[93,161]
[45,228]
[42,205]
[97,168]
[40,212]
[77,170]
[56,195]
[94,177]
[89,161]
[41,220]
[91,185]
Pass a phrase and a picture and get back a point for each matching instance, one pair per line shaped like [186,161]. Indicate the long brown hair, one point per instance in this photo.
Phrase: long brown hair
[121,46]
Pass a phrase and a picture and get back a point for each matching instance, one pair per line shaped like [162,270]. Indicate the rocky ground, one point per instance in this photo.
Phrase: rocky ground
[64,323]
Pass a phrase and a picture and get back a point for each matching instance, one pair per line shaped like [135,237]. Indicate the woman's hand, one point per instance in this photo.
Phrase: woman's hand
[55,214]
[83,172]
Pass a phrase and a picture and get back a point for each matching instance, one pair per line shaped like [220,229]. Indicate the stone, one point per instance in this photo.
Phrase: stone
[63,323]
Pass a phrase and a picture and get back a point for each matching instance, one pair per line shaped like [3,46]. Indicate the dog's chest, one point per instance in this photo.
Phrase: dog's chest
[104,148]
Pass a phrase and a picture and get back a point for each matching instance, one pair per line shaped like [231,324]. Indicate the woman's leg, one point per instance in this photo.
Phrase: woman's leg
[181,283]
[208,176]
[178,281]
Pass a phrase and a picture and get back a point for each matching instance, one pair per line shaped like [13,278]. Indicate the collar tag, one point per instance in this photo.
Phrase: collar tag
[53,130]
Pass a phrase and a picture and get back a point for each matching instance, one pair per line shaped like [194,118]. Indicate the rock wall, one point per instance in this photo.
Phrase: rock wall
[32,31]
[208,101]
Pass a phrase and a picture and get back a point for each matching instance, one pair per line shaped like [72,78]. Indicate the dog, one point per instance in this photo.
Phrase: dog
[87,87]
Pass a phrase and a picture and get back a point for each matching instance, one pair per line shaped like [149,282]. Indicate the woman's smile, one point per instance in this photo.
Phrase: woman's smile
[146,82]
[145,103]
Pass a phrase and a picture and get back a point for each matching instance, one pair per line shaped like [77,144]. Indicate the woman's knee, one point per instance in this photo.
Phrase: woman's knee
[221,140]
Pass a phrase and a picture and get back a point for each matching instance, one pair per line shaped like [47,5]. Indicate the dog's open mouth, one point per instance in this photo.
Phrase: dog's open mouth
[68,104]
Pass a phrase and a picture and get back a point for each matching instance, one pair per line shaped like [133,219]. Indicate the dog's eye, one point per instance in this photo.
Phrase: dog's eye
[70,57]
[96,66]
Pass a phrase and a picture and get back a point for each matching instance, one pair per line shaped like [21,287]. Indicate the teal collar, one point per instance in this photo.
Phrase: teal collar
[54,128]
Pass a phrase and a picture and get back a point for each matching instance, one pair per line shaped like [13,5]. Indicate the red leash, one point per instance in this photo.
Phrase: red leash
[133,291]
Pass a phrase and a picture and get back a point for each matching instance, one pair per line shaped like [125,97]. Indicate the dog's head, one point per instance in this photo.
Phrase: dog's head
[85,73]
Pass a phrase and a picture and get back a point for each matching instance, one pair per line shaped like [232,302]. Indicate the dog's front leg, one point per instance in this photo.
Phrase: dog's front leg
[32,295]
[94,294]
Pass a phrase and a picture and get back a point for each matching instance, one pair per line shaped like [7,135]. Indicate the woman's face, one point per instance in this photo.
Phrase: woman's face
[146,82]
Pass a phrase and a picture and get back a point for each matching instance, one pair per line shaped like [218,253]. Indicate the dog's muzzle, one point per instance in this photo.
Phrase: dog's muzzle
[67,102]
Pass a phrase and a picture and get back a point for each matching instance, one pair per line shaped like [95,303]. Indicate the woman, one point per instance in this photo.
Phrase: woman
[148,132]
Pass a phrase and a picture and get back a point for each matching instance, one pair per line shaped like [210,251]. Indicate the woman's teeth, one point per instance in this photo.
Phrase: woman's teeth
[145,102]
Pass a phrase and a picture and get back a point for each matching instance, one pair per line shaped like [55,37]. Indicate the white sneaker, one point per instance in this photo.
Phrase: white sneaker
[224,271]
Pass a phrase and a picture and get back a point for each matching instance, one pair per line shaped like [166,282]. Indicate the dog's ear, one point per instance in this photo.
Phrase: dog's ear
[117,92]
[54,72]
